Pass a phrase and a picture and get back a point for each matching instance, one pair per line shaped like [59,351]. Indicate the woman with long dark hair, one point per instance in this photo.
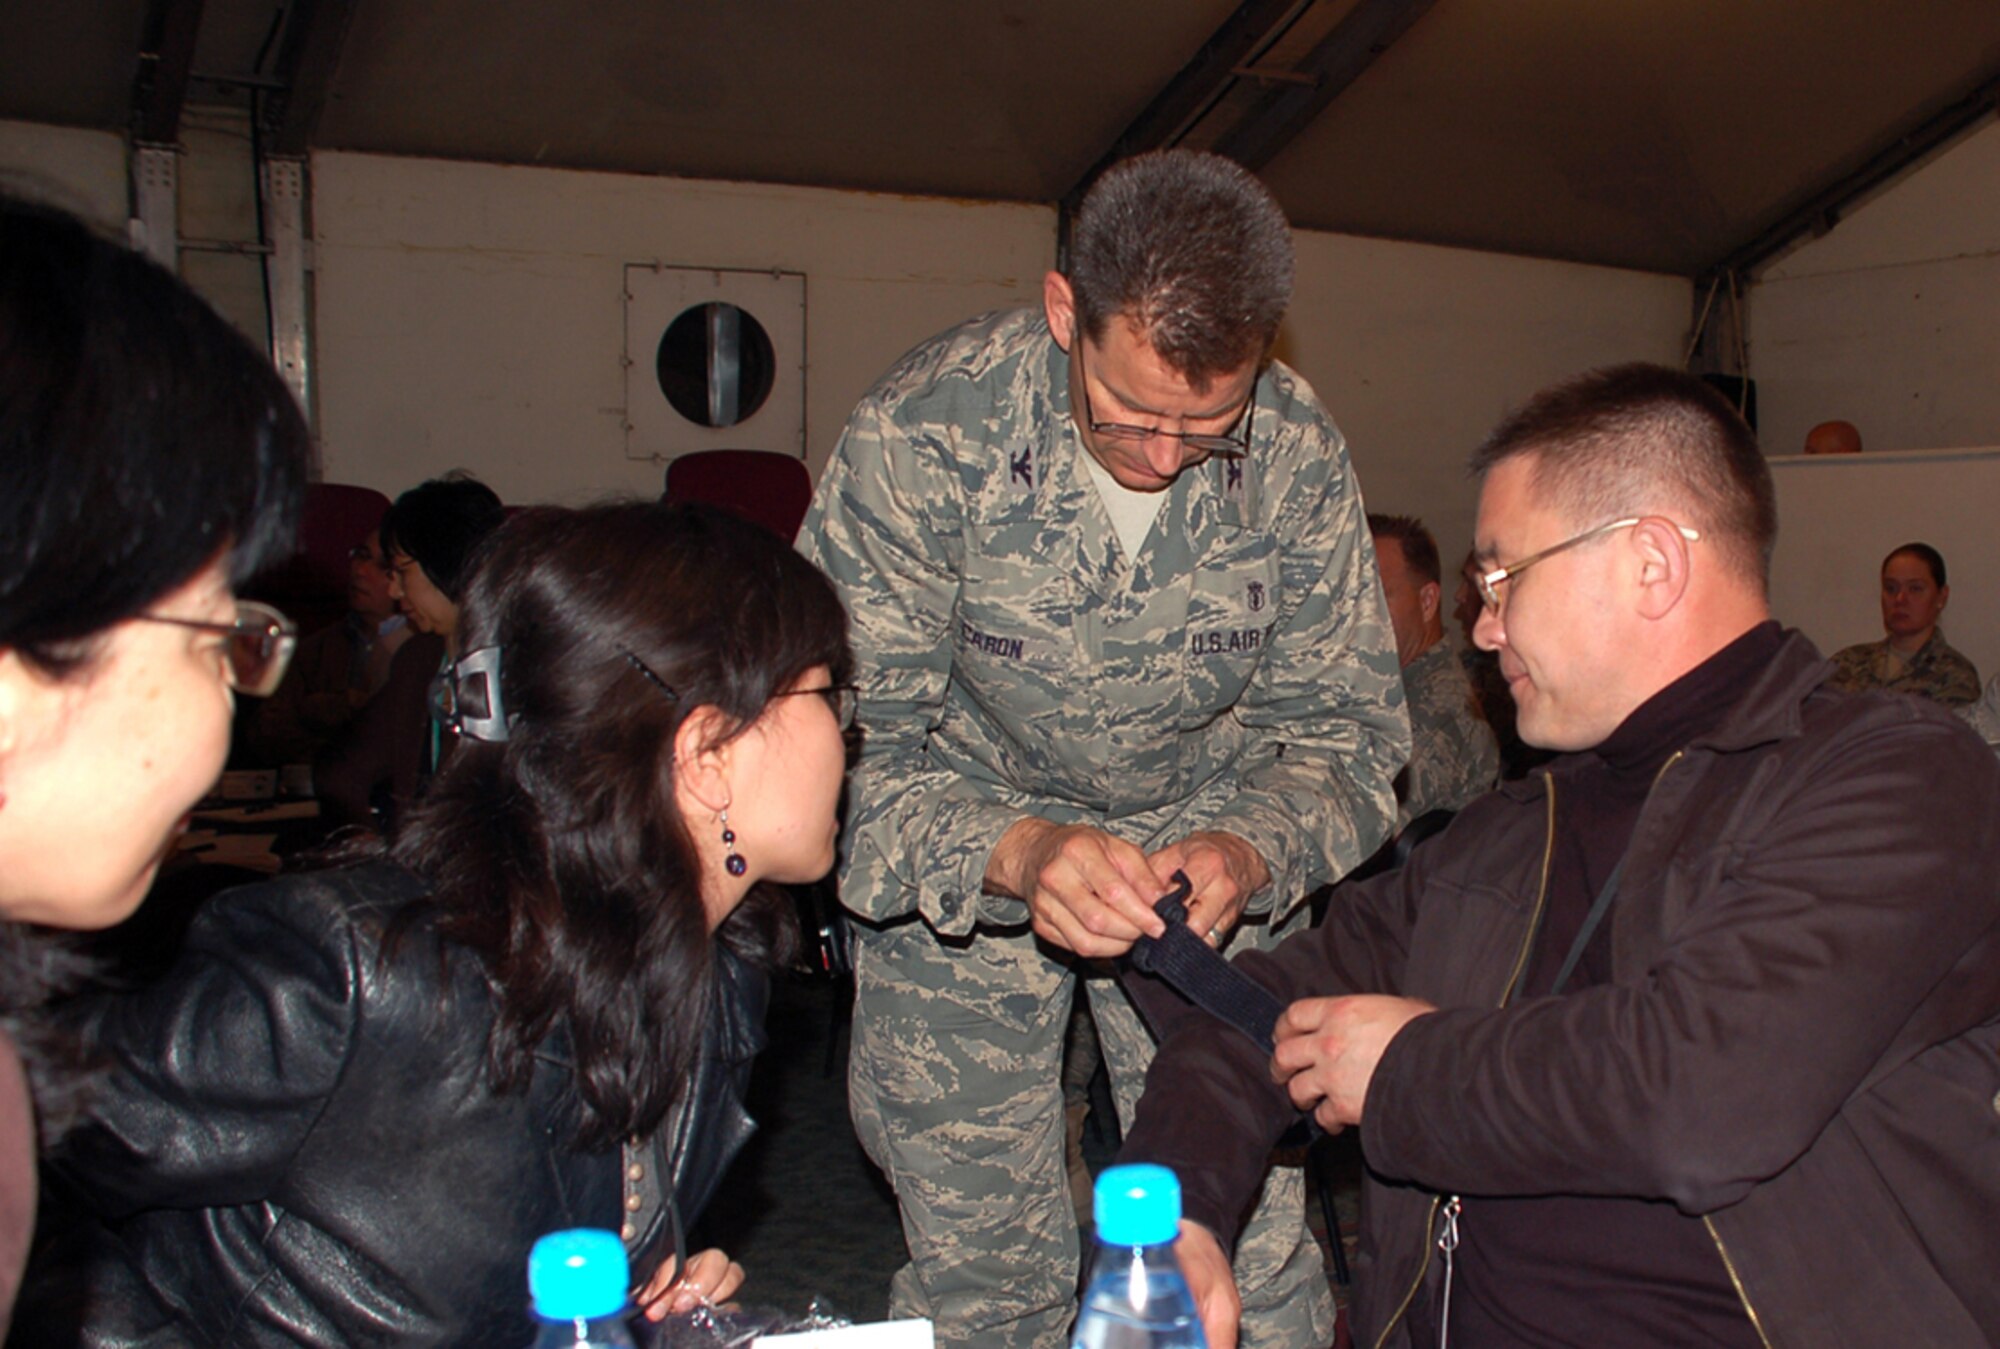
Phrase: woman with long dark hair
[150,459]
[361,1094]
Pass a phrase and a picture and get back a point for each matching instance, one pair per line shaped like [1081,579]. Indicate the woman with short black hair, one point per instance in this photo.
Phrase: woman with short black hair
[430,536]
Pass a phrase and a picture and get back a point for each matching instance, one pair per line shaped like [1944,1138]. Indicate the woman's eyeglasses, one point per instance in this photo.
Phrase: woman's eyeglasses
[256,649]
[842,698]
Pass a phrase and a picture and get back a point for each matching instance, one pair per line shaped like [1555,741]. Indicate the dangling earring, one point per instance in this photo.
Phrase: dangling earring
[733,863]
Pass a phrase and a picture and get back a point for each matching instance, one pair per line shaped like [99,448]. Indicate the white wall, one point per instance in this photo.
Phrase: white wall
[471,315]
[80,171]
[1888,321]
[1418,351]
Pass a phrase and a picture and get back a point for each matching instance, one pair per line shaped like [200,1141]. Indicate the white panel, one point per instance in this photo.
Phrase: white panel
[1838,517]
[655,296]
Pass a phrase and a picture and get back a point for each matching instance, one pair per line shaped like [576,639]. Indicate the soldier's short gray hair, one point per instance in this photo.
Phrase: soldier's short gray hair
[1194,250]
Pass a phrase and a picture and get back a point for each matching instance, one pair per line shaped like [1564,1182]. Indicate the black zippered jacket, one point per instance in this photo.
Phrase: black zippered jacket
[1800,1041]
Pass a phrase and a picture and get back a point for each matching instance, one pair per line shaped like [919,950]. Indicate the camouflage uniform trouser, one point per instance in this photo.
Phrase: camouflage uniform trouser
[955,1085]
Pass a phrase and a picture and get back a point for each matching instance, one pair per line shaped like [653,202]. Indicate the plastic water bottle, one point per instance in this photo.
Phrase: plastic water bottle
[1137,1297]
[577,1280]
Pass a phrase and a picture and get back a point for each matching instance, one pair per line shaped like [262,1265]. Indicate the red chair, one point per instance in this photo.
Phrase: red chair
[762,486]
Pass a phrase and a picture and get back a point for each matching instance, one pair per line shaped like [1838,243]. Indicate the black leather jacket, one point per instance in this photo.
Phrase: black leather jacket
[296,1142]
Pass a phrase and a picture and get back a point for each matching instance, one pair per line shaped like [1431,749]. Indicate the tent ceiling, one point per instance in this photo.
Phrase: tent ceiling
[1660,136]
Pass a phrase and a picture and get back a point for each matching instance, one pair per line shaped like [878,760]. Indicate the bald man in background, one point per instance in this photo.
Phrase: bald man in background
[1833,438]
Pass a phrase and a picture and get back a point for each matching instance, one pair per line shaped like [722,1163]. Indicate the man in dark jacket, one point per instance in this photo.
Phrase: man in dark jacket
[1692,1037]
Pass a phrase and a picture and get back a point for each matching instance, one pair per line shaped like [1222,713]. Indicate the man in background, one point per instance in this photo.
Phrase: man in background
[335,670]
[1490,697]
[1114,617]
[1453,754]
[1833,438]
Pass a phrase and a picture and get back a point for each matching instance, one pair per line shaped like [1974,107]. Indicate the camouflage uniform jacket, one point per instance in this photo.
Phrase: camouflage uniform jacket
[1936,672]
[1454,755]
[1984,715]
[1013,660]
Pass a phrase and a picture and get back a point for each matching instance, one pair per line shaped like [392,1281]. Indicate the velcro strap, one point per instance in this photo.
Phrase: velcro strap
[1197,971]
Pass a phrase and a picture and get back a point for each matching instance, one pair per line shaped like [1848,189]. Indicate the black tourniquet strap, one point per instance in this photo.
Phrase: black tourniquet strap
[1198,972]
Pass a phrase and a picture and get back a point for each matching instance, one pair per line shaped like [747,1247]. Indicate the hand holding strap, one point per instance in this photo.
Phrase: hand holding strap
[1198,972]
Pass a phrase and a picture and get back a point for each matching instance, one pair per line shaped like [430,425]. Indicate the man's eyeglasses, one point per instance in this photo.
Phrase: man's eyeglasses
[842,698]
[256,648]
[1232,444]
[1489,582]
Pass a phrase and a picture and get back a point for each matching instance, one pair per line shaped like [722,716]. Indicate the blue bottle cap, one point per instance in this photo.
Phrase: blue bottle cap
[1138,1205]
[578,1275]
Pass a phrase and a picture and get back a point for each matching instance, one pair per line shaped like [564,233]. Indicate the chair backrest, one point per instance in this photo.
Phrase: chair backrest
[762,486]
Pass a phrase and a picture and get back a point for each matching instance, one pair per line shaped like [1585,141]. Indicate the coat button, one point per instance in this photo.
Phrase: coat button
[635,1172]
[632,1202]
[627,1232]
[1996,1102]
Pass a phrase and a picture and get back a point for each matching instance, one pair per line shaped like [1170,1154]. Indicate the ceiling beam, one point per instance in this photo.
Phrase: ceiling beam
[1335,62]
[166,56]
[1823,208]
[1190,93]
[308,58]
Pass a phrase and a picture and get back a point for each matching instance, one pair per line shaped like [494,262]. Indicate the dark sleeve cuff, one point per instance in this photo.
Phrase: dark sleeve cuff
[1211,1113]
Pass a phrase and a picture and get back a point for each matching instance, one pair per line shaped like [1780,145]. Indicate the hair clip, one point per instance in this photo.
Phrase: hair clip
[472,692]
[650,677]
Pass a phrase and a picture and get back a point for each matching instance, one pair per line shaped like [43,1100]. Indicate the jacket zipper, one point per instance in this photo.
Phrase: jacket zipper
[1506,996]
[1449,1238]
[1451,1235]
[1736,1282]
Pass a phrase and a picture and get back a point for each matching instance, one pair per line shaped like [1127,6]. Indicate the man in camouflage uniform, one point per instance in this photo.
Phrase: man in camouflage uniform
[1114,618]
[1453,753]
